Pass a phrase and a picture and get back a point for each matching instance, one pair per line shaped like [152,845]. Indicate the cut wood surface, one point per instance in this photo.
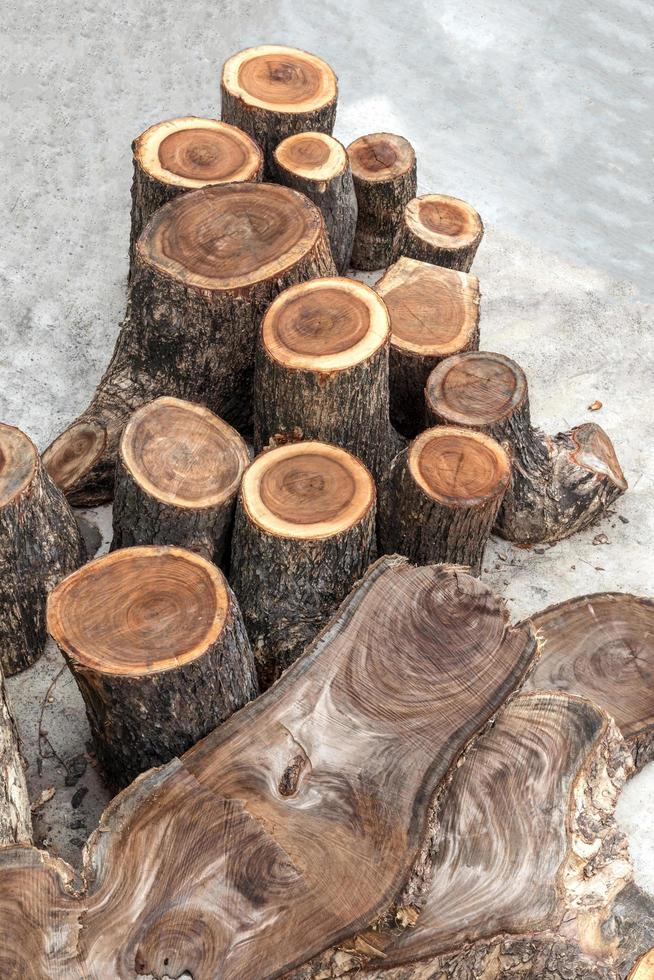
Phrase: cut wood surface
[207,266]
[15,816]
[434,313]
[178,472]
[318,165]
[384,171]
[40,543]
[602,646]
[286,830]
[273,91]
[439,229]
[560,484]
[155,641]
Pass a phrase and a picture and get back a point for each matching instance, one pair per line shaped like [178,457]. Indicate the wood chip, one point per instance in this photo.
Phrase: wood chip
[43,798]
[595,406]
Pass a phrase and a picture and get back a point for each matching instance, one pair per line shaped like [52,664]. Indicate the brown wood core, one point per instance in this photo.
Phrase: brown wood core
[17,462]
[183,454]
[75,452]
[477,388]
[441,219]
[380,156]
[231,236]
[458,467]
[314,156]
[307,490]
[139,610]
[280,78]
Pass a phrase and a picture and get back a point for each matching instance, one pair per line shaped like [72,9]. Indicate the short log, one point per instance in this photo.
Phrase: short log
[441,230]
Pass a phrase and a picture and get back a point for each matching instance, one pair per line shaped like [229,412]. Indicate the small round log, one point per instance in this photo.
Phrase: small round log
[304,534]
[442,497]
[40,543]
[15,816]
[322,370]
[317,165]
[441,230]
[273,91]
[434,313]
[185,154]
[178,472]
[384,172]
[155,641]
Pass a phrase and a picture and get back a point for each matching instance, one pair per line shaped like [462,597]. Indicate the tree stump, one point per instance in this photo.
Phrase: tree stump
[559,484]
[178,472]
[441,230]
[317,165]
[155,642]
[15,816]
[434,313]
[442,497]
[322,370]
[185,154]
[304,533]
[206,268]
[384,172]
[40,543]
[272,92]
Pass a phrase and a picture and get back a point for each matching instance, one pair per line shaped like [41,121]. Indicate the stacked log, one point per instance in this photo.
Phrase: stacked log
[441,230]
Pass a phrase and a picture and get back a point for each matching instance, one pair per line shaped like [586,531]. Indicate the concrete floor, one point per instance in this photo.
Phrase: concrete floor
[535,113]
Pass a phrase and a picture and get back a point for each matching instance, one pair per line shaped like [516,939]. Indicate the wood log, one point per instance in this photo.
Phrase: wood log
[318,165]
[273,91]
[207,266]
[299,821]
[322,370]
[644,968]
[304,534]
[178,472]
[439,229]
[156,644]
[442,496]
[559,484]
[384,172]
[434,313]
[40,543]
[185,154]
[602,646]
[15,816]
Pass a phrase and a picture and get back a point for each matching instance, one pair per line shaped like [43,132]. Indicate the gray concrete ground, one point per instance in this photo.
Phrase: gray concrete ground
[535,113]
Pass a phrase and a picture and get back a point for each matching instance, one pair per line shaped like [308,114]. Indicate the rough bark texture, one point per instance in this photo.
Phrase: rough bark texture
[414,241]
[15,817]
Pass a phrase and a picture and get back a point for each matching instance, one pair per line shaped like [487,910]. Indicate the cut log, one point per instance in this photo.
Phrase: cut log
[40,543]
[434,313]
[184,154]
[560,484]
[304,534]
[441,230]
[15,816]
[317,165]
[602,646]
[300,820]
[384,171]
[272,92]
[644,968]
[155,641]
[322,370]
[179,469]
[442,497]
[207,266]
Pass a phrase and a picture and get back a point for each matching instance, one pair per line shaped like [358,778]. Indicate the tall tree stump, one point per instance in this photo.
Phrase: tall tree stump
[434,313]
[206,268]
[155,641]
[15,816]
[272,92]
[185,154]
[305,525]
[317,165]
[384,171]
[442,497]
[441,230]
[559,484]
[322,370]
[178,472]
[40,543]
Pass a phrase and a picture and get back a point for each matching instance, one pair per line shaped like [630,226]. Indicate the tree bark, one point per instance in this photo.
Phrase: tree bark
[178,472]
[40,543]
[442,496]
[560,484]
[273,91]
[434,313]
[15,816]
[384,172]
[207,267]
[439,229]
[156,644]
